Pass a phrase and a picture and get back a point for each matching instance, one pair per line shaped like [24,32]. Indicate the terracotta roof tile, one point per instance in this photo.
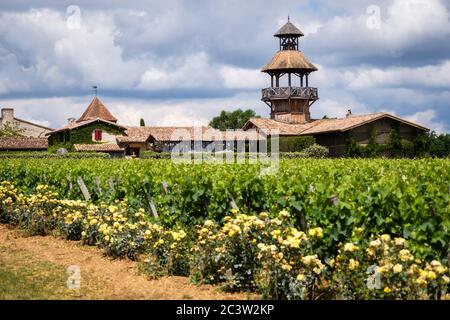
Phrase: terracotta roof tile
[142,134]
[97,109]
[23,143]
[75,125]
[322,125]
[99,147]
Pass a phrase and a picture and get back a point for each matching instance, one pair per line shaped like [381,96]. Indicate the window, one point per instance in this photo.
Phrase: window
[98,135]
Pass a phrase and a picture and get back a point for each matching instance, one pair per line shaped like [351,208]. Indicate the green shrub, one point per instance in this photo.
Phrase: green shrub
[316,151]
[66,145]
[47,155]
[294,144]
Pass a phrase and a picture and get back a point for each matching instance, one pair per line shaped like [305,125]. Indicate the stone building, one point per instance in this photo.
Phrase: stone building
[290,98]
[25,128]
[95,130]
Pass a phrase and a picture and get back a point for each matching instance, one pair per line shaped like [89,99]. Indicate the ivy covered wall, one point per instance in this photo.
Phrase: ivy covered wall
[83,134]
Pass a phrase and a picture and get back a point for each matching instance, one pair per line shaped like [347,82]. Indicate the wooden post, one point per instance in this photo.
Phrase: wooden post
[97,184]
[111,184]
[151,204]
[289,79]
[307,80]
[164,186]
[70,183]
[83,189]
[233,203]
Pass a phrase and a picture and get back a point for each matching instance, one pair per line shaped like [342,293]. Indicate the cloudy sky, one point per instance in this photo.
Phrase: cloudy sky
[179,62]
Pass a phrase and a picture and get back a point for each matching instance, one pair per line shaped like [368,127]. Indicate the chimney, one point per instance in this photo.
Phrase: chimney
[71,120]
[7,115]
[349,113]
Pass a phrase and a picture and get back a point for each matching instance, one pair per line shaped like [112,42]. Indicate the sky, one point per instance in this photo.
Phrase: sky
[180,62]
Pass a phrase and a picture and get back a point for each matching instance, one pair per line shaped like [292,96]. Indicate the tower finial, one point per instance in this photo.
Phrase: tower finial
[288,18]
[95,90]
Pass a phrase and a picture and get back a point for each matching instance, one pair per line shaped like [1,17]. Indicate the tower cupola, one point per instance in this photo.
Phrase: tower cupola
[289,102]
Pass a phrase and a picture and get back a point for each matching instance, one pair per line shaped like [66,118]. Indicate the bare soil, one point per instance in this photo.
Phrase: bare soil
[36,268]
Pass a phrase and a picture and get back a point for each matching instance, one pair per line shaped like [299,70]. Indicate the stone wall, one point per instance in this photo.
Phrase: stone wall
[26,128]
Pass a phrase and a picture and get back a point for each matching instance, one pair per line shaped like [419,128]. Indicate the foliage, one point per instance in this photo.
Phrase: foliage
[245,253]
[402,197]
[8,130]
[316,151]
[394,272]
[295,143]
[232,119]
[431,144]
[47,155]
[83,134]
[424,145]
[66,145]
[142,122]
[155,155]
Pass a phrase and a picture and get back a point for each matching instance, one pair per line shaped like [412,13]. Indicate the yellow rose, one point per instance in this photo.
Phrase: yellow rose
[353,264]
[387,290]
[286,267]
[350,247]
[398,268]
[301,277]
[431,275]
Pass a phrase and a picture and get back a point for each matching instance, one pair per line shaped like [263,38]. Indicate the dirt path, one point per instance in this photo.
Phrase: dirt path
[35,267]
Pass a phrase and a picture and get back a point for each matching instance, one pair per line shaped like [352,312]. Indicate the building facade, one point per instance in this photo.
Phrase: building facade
[96,130]
[23,127]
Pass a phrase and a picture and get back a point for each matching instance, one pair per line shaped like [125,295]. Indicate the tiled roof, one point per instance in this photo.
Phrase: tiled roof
[75,125]
[99,147]
[97,109]
[322,125]
[142,134]
[266,125]
[23,143]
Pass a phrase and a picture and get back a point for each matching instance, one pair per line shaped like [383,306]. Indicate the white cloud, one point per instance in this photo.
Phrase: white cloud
[240,78]
[426,76]
[192,71]
[54,112]
[428,119]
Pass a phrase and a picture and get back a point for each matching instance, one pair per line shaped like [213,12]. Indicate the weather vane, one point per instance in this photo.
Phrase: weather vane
[95,90]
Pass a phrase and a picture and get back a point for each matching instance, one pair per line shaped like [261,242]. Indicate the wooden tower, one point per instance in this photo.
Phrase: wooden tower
[289,102]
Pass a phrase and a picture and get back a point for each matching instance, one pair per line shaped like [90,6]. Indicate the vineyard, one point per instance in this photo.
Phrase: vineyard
[309,231]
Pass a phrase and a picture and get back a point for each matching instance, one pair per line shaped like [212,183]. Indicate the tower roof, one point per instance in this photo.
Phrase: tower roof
[289,29]
[97,110]
[289,60]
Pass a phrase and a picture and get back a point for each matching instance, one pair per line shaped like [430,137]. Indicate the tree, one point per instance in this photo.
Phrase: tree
[8,130]
[232,119]
[142,122]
